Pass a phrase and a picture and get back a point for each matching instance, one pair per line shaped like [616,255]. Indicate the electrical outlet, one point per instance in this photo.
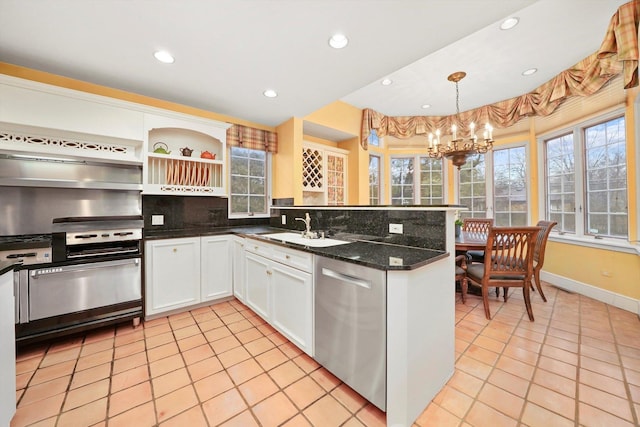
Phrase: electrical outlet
[157,219]
[395,260]
[283,219]
[395,228]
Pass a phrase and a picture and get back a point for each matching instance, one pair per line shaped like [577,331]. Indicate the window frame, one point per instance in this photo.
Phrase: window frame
[581,238]
[416,185]
[268,183]
[380,158]
[490,182]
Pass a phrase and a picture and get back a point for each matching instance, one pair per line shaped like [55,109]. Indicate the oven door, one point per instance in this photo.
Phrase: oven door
[55,291]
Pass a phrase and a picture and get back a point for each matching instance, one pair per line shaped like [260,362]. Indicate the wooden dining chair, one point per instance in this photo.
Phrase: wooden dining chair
[538,252]
[510,263]
[461,275]
[476,225]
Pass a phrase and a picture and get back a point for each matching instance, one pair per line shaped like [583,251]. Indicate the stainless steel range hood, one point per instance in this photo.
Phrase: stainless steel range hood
[34,170]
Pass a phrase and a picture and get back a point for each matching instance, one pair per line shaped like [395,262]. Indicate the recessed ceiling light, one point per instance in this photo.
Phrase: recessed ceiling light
[270,93]
[164,56]
[509,23]
[338,41]
[529,71]
[425,106]
[386,82]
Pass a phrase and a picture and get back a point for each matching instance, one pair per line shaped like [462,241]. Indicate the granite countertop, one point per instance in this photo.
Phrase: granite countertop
[369,251]
[7,266]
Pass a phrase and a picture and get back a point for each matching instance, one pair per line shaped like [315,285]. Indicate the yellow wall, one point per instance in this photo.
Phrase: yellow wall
[338,115]
[613,271]
[287,163]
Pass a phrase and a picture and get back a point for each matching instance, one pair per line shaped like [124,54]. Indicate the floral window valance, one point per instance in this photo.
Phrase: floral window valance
[617,54]
[255,139]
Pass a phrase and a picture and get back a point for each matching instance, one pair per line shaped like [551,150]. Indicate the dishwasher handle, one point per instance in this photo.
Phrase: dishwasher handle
[346,278]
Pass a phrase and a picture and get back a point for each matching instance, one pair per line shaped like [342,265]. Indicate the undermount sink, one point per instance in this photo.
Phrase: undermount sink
[299,240]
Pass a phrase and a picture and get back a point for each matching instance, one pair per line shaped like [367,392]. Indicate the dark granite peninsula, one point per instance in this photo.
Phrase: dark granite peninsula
[420,299]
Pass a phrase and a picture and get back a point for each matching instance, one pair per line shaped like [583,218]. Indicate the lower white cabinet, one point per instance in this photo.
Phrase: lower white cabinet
[292,305]
[215,267]
[172,268]
[279,287]
[239,269]
[183,272]
[7,350]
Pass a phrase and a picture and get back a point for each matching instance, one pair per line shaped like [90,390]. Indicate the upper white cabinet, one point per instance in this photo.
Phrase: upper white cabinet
[184,157]
[324,175]
[45,119]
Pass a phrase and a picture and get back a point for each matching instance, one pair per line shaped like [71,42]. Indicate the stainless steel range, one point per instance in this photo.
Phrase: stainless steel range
[93,278]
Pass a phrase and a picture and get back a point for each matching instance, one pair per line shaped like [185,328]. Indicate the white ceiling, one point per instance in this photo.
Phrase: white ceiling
[229,51]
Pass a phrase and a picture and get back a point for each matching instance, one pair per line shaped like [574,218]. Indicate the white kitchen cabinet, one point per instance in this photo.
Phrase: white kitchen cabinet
[258,281]
[239,262]
[292,305]
[172,268]
[279,287]
[173,150]
[215,267]
[44,106]
[324,175]
[184,272]
[7,350]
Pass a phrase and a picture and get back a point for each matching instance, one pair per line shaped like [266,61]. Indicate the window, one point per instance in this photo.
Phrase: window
[510,186]
[373,138]
[374,180]
[472,189]
[586,179]
[561,186]
[606,178]
[248,182]
[426,187]
[431,183]
[402,181]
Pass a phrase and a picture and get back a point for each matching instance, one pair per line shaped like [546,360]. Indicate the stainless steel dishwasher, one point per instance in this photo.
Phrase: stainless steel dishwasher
[351,325]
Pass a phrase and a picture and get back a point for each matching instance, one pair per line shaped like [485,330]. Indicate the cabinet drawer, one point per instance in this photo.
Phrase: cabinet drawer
[256,247]
[293,258]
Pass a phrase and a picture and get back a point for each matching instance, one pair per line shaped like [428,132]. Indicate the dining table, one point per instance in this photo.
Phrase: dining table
[471,241]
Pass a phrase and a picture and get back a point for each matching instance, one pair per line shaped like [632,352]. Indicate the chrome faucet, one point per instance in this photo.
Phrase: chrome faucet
[307,234]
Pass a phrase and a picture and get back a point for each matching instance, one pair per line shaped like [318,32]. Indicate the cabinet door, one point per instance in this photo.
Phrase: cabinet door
[172,274]
[257,290]
[239,262]
[215,267]
[7,350]
[292,305]
[336,178]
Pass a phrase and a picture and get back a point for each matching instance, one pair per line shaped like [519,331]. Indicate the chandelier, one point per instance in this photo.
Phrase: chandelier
[458,148]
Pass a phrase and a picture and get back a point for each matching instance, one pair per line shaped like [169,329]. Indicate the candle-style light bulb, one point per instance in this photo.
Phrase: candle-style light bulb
[430,140]
[437,136]
[454,129]
[489,131]
[472,128]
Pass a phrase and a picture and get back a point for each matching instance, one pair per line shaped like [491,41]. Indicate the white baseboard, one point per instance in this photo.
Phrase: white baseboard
[603,295]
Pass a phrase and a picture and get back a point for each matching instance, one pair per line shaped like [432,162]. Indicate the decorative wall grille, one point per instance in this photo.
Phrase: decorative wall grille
[11,139]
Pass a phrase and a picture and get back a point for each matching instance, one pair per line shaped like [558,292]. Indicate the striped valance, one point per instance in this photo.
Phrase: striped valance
[255,139]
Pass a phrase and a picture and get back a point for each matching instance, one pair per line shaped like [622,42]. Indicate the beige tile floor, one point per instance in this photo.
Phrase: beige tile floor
[577,364]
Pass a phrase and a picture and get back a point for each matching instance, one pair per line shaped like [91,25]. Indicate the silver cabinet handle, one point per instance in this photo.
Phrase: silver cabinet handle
[346,278]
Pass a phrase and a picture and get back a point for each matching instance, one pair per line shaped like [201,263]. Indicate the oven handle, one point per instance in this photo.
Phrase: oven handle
[83,267]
